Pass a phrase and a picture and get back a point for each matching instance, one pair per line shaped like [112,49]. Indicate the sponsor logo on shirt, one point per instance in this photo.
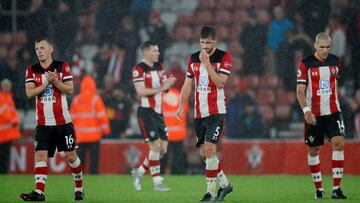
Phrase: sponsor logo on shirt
[47,96]
[324,88]
[203,85]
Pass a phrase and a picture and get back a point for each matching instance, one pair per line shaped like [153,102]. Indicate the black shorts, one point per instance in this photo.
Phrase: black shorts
[329,125]
[208,128]
[60,137]
[152,125]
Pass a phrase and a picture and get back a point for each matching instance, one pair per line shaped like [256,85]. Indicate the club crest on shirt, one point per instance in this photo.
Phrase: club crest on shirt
[333,71]
[135,73]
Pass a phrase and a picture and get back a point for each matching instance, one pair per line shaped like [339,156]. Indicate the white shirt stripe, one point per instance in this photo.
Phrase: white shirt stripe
[325,98]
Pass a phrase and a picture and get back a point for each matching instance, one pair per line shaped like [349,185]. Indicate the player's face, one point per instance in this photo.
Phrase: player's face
[323,48]
[152,53]
[208,44]
[43,50]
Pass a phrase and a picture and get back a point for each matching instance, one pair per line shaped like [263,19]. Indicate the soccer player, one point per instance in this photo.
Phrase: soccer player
[49,81]
[150,82]
[317,77]
[209,68]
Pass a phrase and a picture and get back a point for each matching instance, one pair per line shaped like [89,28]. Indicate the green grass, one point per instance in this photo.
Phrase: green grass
[113,188]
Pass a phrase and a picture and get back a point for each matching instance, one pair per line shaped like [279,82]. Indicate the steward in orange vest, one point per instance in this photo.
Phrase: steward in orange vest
[9,124]
[88,115]
[177,132]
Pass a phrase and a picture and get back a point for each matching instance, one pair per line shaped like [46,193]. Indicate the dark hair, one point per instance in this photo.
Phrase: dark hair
[208,31]
[43,39]
[147,45]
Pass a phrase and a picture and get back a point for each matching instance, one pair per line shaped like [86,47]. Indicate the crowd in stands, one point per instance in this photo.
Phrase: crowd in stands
[267,39]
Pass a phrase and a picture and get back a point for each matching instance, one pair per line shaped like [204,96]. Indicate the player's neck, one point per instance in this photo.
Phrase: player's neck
[45,64]
[212,51]
[148,62]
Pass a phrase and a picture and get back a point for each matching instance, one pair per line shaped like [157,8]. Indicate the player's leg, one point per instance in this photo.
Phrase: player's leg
[314,138]
[154,165]
[66,141]
[336,132]
[77,173]
[337,144]
[44,147]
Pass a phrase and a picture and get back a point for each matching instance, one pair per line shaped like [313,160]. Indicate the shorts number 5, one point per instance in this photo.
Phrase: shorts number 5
[216,134]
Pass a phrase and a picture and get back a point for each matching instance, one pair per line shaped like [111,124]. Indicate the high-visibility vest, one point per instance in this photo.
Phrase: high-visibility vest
[88,114]
[176,129]
[9,119]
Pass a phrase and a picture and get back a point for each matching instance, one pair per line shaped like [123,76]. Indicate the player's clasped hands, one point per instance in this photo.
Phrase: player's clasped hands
[310,118]
[51,76]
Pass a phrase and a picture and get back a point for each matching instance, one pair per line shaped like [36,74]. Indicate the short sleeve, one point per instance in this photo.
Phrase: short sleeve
[225,66]
[302,76]
[67,75]
[137,74]
[189,72]
[29,75]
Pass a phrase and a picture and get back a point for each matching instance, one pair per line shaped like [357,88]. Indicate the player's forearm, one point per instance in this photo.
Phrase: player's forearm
[300,95]
[32,92]
[66,88]
[215,77]
[184,95]
[148,91]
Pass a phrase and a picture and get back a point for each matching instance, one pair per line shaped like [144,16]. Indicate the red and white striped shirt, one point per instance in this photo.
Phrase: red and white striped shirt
[51,104]
[153,78]
[209,99]
[320,77]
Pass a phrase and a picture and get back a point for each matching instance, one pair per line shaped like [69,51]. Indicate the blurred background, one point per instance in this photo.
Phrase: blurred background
[267,39]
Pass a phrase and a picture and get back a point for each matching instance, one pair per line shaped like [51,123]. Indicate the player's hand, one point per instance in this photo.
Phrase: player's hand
[204,57]
[179,112]
[51,76]
[168,83]
[310,118]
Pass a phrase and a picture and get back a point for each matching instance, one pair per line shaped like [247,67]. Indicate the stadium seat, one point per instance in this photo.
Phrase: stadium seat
[252,81]
[285,97]
[206,4]
[260,4]
[203,17]
[225,4]
[184,20]
[265,96]
[282,111]
[267,113]
[270,81]
[222,17]
[242,4]
[5,38]
[222,32]
[240,17]
[169,18]
[187,6]
[182,33]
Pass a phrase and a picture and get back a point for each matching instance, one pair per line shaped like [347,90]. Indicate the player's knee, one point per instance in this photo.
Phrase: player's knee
[338,145]
[314,151]
[40,157]
[71,156]
[210,152]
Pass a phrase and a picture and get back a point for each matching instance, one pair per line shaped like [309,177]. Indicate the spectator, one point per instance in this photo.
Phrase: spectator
[253,49]
[127,37]
[89,118]
[158,33]
[36,22]
[278,28]
[118,107]
[140,11]
[9,124]
[251,122]
[315,15]
[338,37]
[64,27]
[236,108]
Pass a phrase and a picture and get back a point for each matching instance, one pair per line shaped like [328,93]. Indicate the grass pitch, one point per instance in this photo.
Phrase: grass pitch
[114,188]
